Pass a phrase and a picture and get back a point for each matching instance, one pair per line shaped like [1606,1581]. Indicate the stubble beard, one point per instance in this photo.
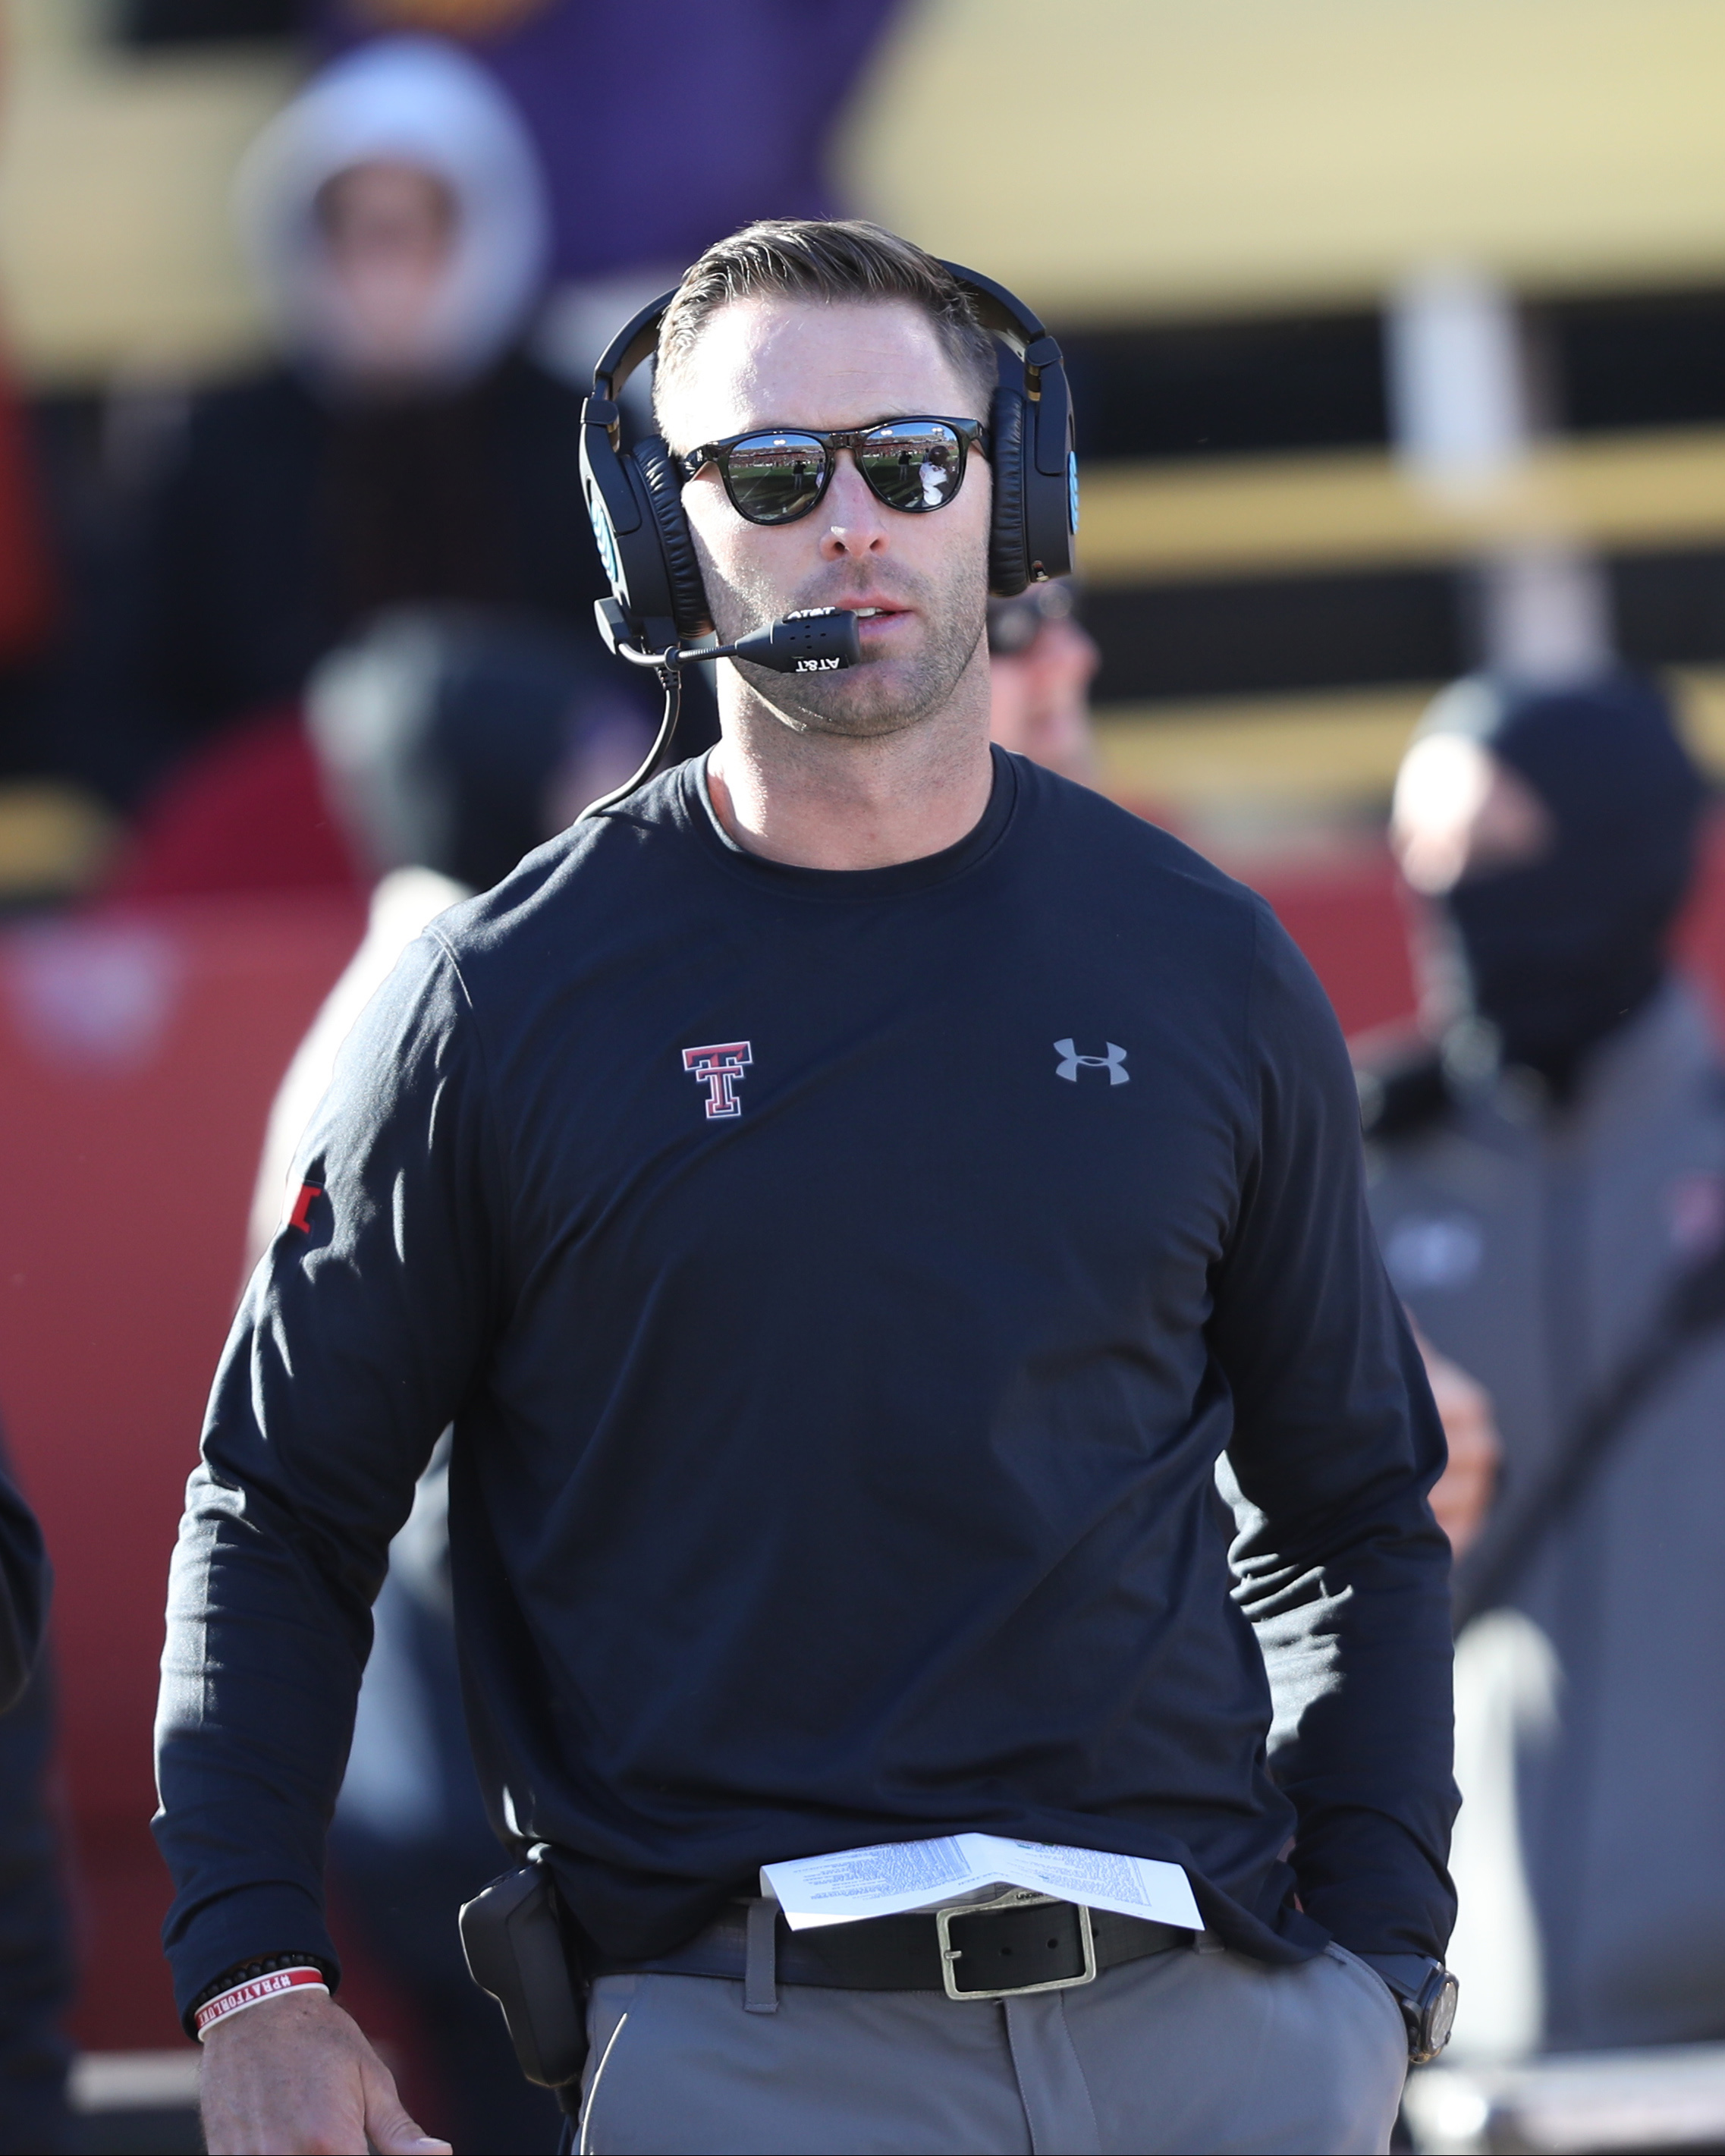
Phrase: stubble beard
[881,697]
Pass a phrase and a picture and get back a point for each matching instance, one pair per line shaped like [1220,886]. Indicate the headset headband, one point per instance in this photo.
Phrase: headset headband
[1000,312]
[630,346]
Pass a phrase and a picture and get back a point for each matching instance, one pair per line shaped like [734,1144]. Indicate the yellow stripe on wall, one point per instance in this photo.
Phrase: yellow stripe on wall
[116,249]
[1325,750]
[1354,509]
[1300,751]
[1108,157]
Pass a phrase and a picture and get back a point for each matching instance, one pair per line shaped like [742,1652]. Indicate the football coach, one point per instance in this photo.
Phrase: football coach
[886,1228]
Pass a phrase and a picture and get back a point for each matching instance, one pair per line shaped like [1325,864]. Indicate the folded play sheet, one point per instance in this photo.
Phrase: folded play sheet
[895,1875]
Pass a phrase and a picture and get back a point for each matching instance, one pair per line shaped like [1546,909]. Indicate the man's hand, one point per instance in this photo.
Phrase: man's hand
[294,2076]
[1463,1494]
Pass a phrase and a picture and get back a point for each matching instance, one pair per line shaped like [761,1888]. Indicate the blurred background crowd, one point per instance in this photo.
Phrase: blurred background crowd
[1397,342]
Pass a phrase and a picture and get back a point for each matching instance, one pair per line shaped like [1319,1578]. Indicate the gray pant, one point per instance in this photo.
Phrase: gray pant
[1190,2052]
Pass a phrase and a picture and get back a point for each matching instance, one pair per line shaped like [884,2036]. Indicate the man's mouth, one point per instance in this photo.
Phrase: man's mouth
[875,621]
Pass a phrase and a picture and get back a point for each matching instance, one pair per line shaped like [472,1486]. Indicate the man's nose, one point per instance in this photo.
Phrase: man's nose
[855,520]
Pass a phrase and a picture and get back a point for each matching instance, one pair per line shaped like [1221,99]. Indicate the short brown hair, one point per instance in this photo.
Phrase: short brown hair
[827,259]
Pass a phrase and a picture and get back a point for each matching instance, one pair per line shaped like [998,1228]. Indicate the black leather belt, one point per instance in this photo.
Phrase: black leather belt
[989,1950]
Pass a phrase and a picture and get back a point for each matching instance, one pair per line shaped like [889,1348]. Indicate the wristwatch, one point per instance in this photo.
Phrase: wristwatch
[1426,1993]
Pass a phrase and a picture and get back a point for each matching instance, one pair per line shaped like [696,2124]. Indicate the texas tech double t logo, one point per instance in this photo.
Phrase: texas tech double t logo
[718,1068]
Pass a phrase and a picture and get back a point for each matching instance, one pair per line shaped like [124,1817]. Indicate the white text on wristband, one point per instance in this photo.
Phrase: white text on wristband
[255,1993]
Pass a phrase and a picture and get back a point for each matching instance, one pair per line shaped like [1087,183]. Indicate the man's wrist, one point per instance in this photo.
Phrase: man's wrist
[1426,1993]
[248,1983]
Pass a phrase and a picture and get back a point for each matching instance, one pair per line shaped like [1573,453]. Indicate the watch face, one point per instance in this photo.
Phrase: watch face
[1438,2013]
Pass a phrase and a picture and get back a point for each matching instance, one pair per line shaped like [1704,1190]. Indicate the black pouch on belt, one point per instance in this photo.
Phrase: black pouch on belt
[513,1934]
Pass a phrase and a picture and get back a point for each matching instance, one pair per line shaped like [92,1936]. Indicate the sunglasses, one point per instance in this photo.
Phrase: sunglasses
[778,474]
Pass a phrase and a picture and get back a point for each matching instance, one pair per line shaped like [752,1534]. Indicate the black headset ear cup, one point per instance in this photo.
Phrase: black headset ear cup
[682,571]
[1008,548]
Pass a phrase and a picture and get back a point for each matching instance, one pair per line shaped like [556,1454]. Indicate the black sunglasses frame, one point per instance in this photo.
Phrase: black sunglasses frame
[972,433]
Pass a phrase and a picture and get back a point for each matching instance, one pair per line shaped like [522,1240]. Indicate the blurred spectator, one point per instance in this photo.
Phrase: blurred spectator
[50,834]
[29,592]
[36,1973]
[1042,662]
[405,451]
[637,192]
[449,751]
[1463,1492]
[246,813]
[1550,1192]
[25,1582]
[170,23]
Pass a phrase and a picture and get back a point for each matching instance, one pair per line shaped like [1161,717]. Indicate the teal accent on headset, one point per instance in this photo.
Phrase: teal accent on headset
[1072,490]
[606,540]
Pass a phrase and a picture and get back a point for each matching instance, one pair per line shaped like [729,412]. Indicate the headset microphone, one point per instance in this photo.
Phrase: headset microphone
[813,640]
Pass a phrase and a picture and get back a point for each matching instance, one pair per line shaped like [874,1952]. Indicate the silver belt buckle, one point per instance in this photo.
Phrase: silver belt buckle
[1018,1898]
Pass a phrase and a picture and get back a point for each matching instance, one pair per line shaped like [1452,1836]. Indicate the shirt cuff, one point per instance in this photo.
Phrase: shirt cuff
[250,1924]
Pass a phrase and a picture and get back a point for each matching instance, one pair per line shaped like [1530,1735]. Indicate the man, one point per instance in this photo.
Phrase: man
[1550,1172]
[848,1199]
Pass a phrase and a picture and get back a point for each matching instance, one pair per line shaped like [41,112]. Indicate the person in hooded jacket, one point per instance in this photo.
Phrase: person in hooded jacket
[1548,1188]
[405,450]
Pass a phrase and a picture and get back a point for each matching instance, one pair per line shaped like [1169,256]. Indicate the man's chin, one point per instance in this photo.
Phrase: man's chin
[881,697]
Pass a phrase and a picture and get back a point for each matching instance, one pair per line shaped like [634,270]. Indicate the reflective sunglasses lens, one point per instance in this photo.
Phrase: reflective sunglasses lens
[776,477]
[914,464]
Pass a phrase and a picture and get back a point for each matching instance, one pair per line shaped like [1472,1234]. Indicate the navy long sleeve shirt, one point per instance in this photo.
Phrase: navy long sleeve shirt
[918,1359]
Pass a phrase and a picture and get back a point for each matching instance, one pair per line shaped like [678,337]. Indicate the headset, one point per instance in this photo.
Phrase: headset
[658,604]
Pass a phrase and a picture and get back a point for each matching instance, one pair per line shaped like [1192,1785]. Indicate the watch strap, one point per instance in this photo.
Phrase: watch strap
[1405,1973]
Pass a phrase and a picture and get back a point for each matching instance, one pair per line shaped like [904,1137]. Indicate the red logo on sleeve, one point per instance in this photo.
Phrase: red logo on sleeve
[300,1217]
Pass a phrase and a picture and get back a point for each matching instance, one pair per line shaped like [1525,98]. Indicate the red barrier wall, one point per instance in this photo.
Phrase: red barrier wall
[138,1056]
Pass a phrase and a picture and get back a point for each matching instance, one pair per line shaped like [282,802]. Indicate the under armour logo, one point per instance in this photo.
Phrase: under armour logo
[719,1068]
[1071,1062]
